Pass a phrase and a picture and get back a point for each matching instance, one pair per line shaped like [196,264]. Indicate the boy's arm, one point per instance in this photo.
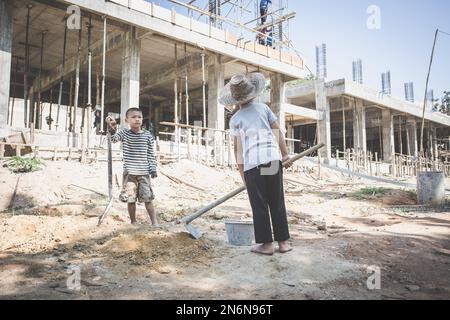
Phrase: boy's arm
[281,141]
[238,154]
[115,136]
[151,157]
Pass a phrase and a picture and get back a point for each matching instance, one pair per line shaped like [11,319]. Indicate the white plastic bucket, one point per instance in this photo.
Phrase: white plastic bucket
[240,233]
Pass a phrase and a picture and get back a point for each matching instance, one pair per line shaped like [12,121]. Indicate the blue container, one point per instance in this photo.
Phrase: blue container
[240,233]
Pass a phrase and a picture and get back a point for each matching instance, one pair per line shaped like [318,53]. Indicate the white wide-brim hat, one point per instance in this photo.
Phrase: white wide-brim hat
[242,88]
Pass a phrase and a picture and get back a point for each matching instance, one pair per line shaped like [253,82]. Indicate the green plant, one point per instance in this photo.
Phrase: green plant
[20,164]
[370,192]
[411,194]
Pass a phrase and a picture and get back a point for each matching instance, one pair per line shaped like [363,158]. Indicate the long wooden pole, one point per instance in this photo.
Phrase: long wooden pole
[426,93]
[204,89]
[39,119]
[89,102]
[77,81]
[69,108]
[27,66]
[175,90]
[14,91]
[192,217]
[187,85]
[400,142]
[103,75]
[61,82]
[343,124]
[50,120]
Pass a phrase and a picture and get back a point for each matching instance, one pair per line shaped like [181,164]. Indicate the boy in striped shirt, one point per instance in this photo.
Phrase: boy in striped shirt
[139,163]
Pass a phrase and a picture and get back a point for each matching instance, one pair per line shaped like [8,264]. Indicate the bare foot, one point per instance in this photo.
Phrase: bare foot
[284,247]
[266,248]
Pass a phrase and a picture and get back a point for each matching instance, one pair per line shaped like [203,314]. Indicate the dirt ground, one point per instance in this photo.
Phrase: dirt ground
[338,236]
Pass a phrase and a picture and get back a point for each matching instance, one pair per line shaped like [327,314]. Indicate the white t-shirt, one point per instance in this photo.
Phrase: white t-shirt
[252,123]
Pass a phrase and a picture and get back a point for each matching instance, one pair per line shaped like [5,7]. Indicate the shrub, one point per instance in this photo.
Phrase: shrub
[370,192]
[20,164]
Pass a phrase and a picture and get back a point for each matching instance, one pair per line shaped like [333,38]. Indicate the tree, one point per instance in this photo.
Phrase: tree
[310,77]
[444,106]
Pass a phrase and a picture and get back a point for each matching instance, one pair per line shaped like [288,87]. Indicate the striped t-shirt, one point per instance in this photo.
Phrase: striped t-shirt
[138,151]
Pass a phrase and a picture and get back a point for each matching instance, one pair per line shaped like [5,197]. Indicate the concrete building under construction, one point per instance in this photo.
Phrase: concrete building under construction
[67,64]
[121,54]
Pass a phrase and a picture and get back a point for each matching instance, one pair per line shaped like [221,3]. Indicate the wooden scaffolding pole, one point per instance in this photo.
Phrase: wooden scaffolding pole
[187,85]
[175,90]
[39,113]
[77,81]
[14,92]
[69,108]
[426,94]
[27,66]
[89,86]
[343,125]
[50,120]
[204,90]
[103,75]
[61,82]
[400,142]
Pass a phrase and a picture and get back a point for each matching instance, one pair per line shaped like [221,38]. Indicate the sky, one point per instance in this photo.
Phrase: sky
[399,39]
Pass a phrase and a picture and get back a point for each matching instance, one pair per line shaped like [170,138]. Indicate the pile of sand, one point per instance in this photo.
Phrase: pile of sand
[160,251]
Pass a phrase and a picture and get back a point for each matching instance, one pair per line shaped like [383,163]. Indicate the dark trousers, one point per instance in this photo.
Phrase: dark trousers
[266,192]
[263,12]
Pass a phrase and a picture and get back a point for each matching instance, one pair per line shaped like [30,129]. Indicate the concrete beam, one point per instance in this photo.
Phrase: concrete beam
[335,88]
[131,62]
[371,97]
[305,89]
[114,41]
[141,17]
[396,105]
[324,125]
[165,74]
[302,112]
[6,31]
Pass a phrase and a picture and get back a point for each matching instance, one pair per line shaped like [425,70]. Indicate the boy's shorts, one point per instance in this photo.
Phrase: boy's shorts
[136,188]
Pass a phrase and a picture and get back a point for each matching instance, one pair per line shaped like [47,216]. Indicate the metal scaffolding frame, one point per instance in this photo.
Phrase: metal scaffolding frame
[243,18]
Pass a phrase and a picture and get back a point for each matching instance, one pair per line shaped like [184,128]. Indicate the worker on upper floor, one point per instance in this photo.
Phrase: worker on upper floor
[263,9]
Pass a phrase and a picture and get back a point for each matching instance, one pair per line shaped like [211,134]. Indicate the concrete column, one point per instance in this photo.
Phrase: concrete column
[411,131]
[359,126]
[157,119]
[277,98]
[388,135]
[131,60]
[324,124]
[290,135]
[6,30]
[216,111]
